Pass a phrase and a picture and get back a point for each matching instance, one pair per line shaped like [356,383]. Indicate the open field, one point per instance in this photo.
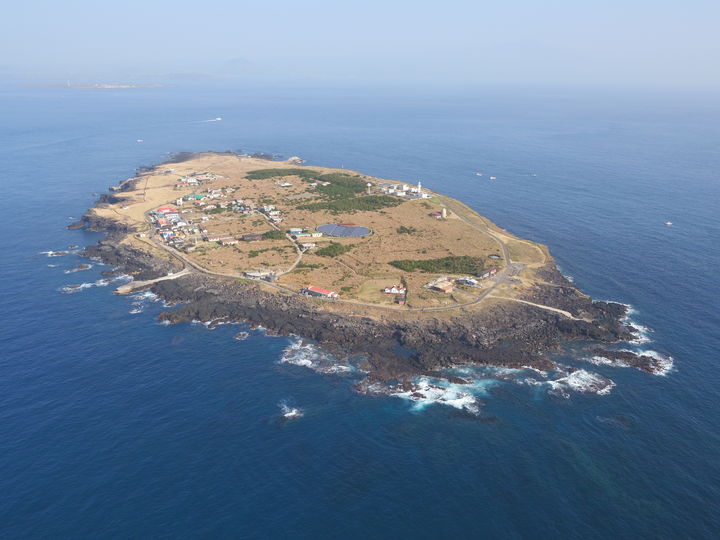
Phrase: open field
[216,200]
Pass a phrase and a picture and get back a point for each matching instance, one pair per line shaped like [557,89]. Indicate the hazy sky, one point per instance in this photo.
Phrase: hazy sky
[633,42]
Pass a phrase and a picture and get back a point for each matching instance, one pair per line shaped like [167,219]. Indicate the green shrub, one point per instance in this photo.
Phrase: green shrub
[406,230]
[446,265]
[342,186]
[334,249]
[274,235]
[369,203]
[261,174]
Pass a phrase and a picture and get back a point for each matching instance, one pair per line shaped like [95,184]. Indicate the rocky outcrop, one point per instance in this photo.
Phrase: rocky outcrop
[509,334]
[137,263]
[505,335]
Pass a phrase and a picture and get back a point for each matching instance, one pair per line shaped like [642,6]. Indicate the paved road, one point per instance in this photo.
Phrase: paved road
[503,276]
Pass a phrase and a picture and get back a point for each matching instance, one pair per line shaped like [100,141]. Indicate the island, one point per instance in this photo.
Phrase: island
[400,279]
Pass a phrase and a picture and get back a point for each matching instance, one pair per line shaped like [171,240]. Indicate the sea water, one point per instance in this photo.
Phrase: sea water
[112,425]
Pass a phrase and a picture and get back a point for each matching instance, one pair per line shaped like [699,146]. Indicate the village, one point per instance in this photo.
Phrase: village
[329,234]
[186,225]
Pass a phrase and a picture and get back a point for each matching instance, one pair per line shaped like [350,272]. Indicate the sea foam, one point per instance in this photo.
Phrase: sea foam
[288,412]
[301,353]
[578,381]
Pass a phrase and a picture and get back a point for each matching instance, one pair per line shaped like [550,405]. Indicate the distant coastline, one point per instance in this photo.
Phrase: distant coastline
[96,86]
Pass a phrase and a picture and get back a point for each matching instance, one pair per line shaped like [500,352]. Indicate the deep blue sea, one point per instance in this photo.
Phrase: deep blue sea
[114,426]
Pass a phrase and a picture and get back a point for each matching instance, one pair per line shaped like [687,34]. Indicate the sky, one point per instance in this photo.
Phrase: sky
[610,42]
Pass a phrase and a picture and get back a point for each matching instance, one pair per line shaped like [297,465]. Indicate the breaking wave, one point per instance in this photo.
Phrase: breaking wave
[578,381]
[663,363]
[141,300]
[660,364]
[423,393]
[290,413]
[300,353]
[641,333]
[104,282]
[426,391]
[80,268]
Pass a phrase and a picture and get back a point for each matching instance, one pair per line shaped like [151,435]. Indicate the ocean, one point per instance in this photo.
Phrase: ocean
[113,425]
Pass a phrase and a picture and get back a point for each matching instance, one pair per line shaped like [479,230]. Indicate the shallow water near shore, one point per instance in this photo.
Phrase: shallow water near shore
[115,425]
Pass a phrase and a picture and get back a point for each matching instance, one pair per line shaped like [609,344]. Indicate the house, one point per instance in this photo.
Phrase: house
[259,275]
[470,282]
[166,210]
[219,237]
[319,292]
[436,215]
[395,289]
[295,230]
[307,246]
[488,273]
[442,284]
[228,241]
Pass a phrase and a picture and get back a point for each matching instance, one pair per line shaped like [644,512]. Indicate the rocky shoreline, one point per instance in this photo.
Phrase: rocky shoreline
[508,334]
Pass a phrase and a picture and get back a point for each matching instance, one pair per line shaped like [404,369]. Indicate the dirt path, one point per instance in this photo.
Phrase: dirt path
[541,306]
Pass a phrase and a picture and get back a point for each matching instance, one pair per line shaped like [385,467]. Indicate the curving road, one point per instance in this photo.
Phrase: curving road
[510,269]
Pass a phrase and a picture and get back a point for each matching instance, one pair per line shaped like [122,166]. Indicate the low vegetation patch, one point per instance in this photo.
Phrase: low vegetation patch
[446,265]
[334,249]
[261,174]
[341,186]
[274,235]
[406,230]
[369,203]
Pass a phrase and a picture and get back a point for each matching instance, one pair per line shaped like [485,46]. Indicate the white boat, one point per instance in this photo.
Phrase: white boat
[218,118]
[669,223]
[139,140]
[493,178]
[478,174]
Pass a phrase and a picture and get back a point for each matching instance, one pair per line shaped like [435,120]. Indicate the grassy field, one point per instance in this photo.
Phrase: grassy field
[406,243]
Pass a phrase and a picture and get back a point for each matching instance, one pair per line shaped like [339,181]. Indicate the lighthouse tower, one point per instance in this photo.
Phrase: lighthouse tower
[419,188]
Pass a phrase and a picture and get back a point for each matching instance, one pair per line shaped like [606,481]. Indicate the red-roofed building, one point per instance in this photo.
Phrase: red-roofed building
[166,210]
[317,291]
